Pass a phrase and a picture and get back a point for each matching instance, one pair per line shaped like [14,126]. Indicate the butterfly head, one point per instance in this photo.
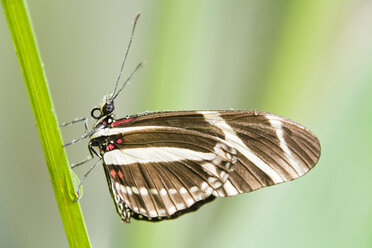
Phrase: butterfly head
[105,108]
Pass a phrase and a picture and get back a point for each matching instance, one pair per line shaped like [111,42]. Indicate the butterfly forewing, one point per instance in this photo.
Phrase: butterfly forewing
[161,165]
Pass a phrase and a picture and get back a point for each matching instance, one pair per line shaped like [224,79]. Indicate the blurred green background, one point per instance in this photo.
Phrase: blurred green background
[310,61]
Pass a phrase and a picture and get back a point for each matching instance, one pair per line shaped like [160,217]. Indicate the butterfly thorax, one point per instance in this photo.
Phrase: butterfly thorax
[104,116]
[102,142]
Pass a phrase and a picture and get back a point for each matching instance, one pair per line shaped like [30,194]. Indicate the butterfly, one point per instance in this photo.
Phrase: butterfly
[161,165]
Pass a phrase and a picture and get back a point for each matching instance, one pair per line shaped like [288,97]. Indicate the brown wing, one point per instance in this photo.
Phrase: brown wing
[169,163]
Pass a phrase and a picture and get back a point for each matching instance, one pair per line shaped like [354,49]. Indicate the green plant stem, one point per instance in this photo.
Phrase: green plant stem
[60,175]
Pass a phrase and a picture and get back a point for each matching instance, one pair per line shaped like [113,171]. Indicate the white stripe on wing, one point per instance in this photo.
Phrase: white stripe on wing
[155,155]
[234,141]
[277,124]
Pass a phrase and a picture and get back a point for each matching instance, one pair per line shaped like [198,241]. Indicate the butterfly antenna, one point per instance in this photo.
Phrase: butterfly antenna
[139,66]
[126,53]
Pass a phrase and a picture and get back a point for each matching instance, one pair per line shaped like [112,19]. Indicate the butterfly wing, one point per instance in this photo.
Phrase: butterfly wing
[164,164]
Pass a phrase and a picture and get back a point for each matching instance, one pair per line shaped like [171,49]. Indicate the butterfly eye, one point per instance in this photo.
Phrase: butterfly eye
[96,113]
[108,108]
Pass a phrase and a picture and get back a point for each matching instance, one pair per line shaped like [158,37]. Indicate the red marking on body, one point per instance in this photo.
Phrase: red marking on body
[113,173]
[121,122]
[120,175]
[119,141]
[110,147]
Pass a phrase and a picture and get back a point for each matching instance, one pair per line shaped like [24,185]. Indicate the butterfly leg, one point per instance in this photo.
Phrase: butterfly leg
[92,153]
[85,119]
[82,162]
[83,179]
[85,135]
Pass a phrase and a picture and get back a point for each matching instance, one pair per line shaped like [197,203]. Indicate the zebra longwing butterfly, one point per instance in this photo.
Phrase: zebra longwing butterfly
[161,165]
[164,164]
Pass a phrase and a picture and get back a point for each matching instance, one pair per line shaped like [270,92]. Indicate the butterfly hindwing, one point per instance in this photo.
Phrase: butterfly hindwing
[164,164]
